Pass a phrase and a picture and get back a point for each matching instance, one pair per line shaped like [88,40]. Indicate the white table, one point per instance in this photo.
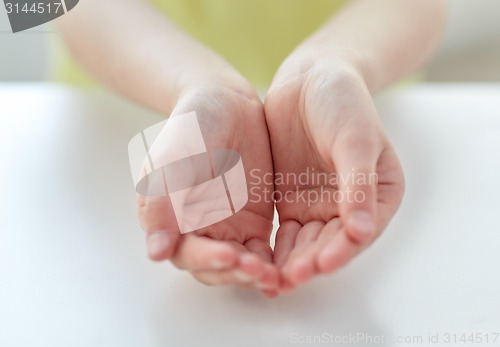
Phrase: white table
[73,269]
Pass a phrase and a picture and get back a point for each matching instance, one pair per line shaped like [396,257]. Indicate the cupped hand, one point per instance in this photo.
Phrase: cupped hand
[338,181]
[235,250]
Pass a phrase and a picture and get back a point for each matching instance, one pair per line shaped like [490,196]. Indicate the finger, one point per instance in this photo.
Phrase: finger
[255,266]
[336,253]
[215,278]
[270,278]
[340,249]
[261,248]
[244,275]
[285,240]
[286,286]
[270,293]
[157,218]
[253,256]
[355,157]
[391,186]
[201,253]
[247,274]
[300,266]
[306,236]
[249,268]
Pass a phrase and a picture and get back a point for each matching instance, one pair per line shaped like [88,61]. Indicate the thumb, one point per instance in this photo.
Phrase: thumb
[355,158]
[158,221]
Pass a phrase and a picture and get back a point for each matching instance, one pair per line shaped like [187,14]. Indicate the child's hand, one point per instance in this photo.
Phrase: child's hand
[323,124]
[236,250]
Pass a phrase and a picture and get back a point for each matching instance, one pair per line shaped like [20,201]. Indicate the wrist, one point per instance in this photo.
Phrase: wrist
[344,64]
[208,82]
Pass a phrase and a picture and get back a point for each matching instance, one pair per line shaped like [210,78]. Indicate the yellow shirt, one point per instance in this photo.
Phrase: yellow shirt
[255,36]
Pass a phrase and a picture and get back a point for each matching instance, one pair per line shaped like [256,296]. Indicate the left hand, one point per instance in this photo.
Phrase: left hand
[323,124]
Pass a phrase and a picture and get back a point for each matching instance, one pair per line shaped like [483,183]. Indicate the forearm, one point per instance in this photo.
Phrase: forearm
[137,52]
[383,39]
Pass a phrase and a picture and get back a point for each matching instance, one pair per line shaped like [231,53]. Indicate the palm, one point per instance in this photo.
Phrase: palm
[227,121]
[306,138]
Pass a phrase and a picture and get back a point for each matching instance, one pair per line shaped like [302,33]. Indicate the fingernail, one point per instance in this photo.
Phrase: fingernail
[362,222]
[242,276]
[270,293]
[263,286]
[219,265]
[158,242]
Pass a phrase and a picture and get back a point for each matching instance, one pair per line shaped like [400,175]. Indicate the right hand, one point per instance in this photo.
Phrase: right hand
[235,250]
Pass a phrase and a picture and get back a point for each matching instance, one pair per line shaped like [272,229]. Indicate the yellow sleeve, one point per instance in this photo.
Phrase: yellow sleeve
[254,36]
